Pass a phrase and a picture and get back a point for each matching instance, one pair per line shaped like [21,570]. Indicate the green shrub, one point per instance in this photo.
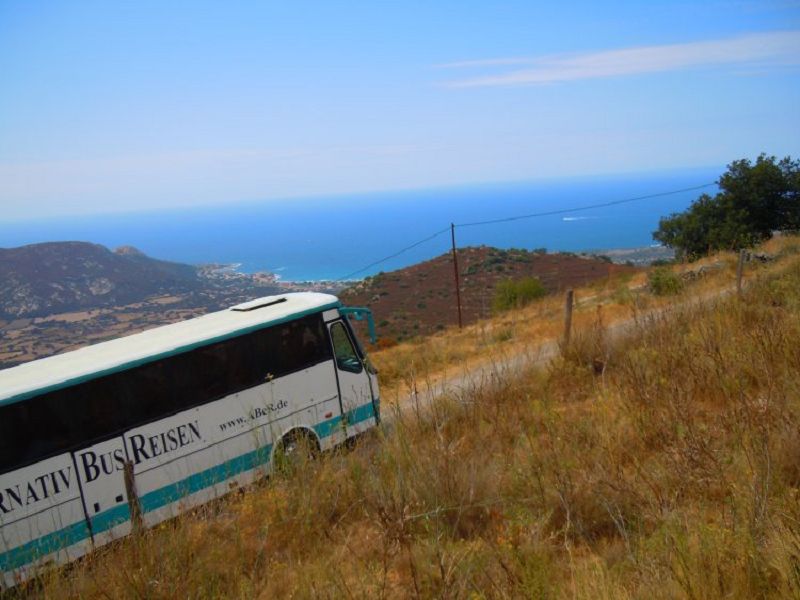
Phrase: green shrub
[516,293]
[503,335]
[623,295]
[663,282]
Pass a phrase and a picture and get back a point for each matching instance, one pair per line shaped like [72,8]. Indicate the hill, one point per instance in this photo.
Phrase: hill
[63,295]
[42,279]
[421,299]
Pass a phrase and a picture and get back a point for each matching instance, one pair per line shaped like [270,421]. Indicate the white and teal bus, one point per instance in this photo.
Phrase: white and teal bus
[134,431]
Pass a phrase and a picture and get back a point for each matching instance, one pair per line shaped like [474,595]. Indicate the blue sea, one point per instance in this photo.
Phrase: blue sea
[333,237]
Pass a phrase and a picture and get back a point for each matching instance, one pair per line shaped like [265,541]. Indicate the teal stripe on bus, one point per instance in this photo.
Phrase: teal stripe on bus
[47,544]
[110,518]
[360,413]
[199,481]
[52,542]
[327,428]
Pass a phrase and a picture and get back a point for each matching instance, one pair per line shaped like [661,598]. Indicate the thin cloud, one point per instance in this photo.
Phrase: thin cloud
[757,50]
[489,62]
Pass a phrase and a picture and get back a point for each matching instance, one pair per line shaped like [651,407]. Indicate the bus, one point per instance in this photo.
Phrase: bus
[123,434]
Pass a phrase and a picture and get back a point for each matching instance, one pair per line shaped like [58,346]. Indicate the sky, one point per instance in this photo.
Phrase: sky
[131,106]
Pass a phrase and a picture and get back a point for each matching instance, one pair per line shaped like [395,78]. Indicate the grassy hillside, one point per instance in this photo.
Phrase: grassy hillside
[673,470]
[420,299]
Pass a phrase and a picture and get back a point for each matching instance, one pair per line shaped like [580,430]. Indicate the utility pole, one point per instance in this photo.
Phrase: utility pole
[455,272]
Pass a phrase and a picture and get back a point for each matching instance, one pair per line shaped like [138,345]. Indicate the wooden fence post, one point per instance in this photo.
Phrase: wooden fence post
[739,270]
[568,305]
[133,498]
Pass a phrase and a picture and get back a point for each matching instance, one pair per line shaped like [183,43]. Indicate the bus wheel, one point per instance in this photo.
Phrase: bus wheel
[295,449]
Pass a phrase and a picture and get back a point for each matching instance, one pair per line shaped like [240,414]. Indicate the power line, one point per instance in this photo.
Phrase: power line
[520,217]
[580,208]
[398,253]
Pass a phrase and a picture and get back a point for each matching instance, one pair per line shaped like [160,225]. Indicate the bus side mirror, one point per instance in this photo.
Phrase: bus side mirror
[359,313]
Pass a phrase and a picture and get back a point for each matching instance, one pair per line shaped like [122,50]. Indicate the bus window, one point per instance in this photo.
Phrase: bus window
[291,347]
[346,357]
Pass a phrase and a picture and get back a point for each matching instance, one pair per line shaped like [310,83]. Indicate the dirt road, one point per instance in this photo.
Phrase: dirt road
[505,366]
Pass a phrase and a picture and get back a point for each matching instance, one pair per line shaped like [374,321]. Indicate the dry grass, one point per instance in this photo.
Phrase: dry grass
[673,471]
[622,298]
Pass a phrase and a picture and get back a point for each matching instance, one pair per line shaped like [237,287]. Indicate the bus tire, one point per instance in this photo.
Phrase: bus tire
[296,447]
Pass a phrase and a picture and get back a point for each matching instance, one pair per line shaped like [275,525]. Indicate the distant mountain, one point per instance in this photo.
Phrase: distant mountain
[42,279]
[420,299]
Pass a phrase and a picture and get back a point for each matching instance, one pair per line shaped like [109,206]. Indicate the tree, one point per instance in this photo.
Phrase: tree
[754,201]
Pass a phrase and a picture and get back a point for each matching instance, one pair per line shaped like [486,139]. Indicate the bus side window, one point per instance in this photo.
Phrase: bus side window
[13,423]
[94,409]
[310,346]
[290,347]
[202,375]
[346,357]
[144,393]
[29,433]
[48,425]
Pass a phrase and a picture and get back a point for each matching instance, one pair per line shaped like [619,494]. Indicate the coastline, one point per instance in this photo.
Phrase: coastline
[638,256]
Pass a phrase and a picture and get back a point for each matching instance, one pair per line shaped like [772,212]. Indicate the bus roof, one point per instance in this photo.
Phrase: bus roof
[62,370]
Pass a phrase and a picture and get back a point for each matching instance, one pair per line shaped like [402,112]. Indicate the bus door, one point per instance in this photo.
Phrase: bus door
[101,469]
[358,411]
